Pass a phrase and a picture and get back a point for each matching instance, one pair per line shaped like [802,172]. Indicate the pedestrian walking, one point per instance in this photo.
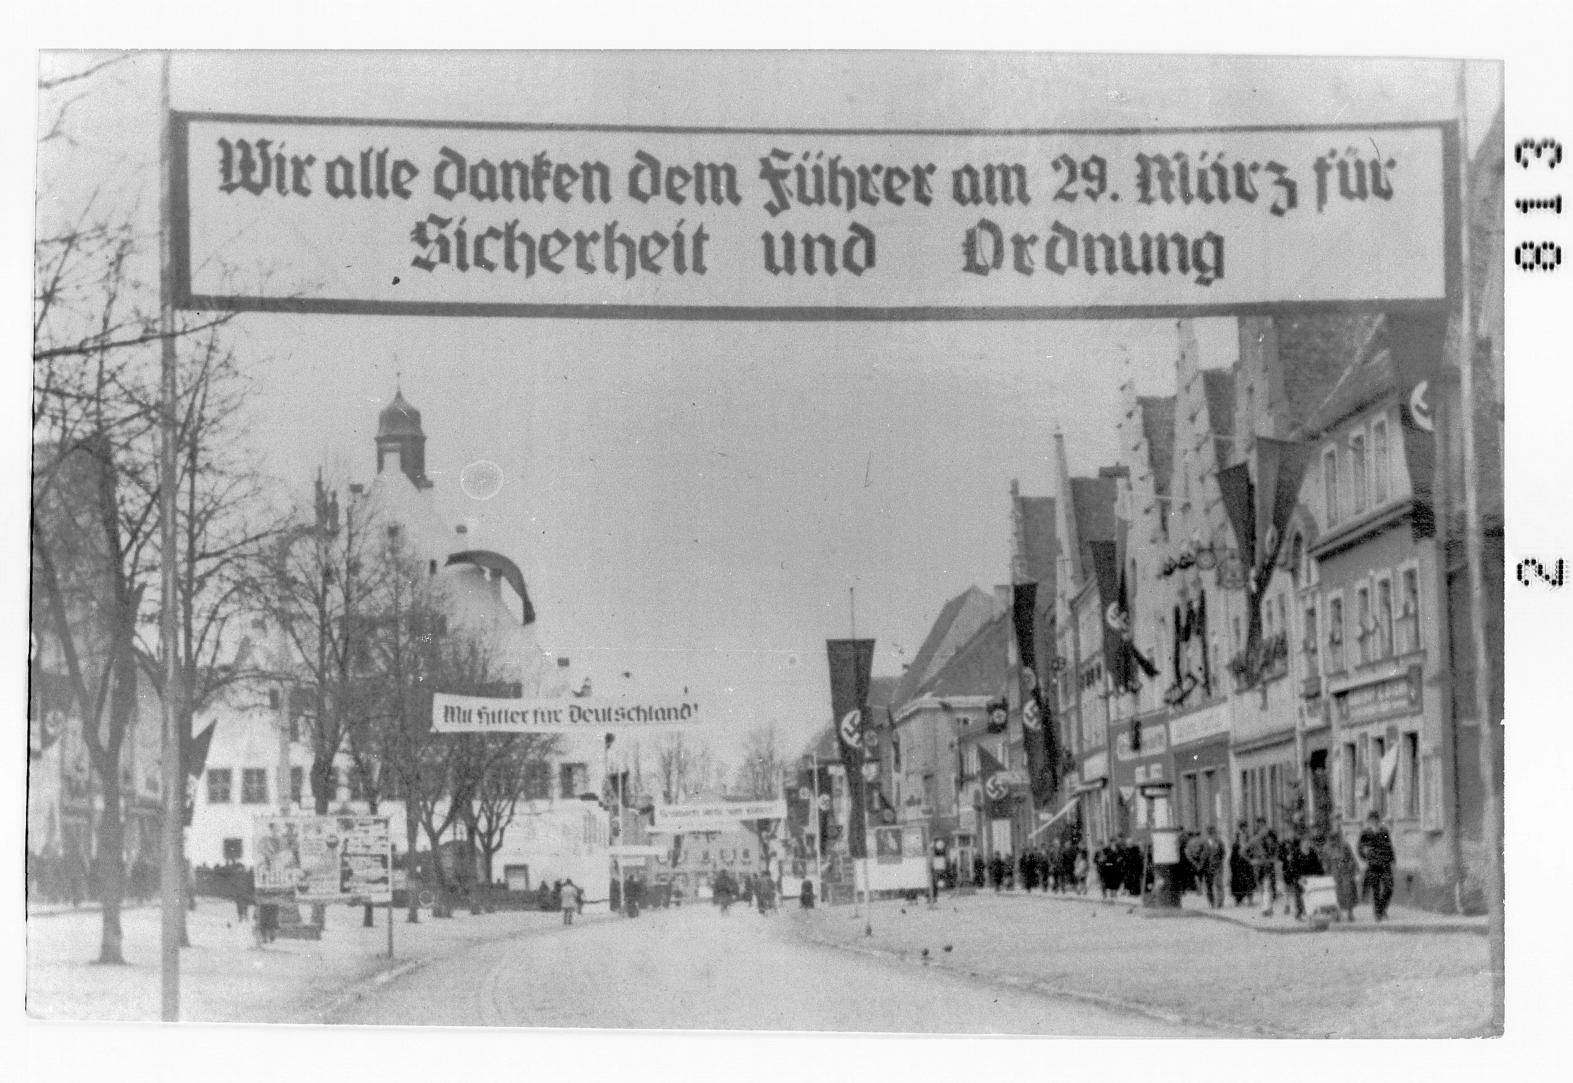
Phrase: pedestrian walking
[1298,862]
[806,896]
[245,881]
[1264,862]
[1346,874]
[765,892]
[1211,865]
[997,871]
[1376,850]
[1242,877]
[569,895]
[1079,872]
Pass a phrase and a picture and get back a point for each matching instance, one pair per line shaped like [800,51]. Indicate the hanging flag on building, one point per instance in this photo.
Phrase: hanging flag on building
[1120,656]
[996,785]
[1416,343]
[1259,514]
[851,662]
[1037,727]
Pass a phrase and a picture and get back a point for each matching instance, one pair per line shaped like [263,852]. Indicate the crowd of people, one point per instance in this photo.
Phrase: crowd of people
[56,879]
[1256,865]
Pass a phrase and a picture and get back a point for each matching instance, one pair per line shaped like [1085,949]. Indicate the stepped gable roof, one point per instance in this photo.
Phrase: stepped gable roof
[1093,502]
[1041,539]
[1157,414]
[399,418]
[978,668]
[944,638]
[1218,387]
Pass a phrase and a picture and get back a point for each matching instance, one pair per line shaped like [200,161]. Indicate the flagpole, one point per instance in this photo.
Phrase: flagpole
[171,874]
[1473,535]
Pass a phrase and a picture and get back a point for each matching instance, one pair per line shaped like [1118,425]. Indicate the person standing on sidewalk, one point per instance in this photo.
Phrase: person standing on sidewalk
[1298,862]
[1264,862]
[1376,850]
[1211,867]
[570,900]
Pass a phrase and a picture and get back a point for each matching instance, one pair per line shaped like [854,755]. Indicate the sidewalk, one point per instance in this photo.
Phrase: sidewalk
[224,977]
[1400,919]
[1210,973]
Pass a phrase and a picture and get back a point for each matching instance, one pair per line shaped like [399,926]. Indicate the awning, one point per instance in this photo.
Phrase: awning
[1050,821]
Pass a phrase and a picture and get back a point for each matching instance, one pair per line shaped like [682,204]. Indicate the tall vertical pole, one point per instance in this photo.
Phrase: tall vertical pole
[172,874]
[1491,827]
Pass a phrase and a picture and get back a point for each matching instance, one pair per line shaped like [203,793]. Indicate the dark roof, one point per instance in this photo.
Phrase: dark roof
[882,691]
[1315,351]
[1158,427]
[399,418]
[978,668]
[938,645]
[1092,499]
[1040,539]
[1218,386]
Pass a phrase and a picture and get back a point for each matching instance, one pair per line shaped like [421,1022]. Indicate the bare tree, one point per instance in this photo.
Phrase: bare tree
[759,775]
[505,774]
[325,596]
[682,768]
[96,418]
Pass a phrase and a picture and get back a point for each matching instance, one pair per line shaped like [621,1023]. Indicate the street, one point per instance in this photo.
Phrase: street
[694,969]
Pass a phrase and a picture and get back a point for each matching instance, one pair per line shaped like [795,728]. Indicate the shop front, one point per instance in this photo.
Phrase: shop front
[1199,747]
[1142,776]
[1093,793]
[1268,782]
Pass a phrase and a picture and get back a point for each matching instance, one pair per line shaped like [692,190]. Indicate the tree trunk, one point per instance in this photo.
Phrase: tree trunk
[412,826]
[110,861]
[321,779]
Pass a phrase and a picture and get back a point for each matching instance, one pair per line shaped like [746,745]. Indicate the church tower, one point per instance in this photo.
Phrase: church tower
[399,434]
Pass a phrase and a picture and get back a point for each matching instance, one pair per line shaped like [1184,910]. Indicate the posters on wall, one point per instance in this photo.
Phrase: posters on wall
[323,859]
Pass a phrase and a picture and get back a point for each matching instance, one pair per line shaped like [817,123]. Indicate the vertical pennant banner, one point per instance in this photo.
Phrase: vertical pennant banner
[1417,343]
[1106,570]
[1036,727]
[851,663]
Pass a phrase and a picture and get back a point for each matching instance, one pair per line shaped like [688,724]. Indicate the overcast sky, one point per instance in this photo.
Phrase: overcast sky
[692,501]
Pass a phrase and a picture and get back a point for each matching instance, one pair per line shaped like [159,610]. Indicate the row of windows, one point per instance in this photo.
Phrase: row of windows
[573,781]
[1399,789]
[1356,472]
[1386,622]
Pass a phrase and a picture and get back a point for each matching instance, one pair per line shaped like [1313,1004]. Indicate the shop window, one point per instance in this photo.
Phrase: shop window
[254,786]
[1335,634]
[573,778]
[1362,777]
[1357,473]
[1330,483]
[1379,467]
[1409,611]
[1365,633]
[297,784]
[1411,769]
[1384,617]
[233,849]
[1378,791]
[537,781]
[218,785]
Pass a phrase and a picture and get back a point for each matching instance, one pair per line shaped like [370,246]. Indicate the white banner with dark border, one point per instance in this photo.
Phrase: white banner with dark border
[716,816]
[571,714]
